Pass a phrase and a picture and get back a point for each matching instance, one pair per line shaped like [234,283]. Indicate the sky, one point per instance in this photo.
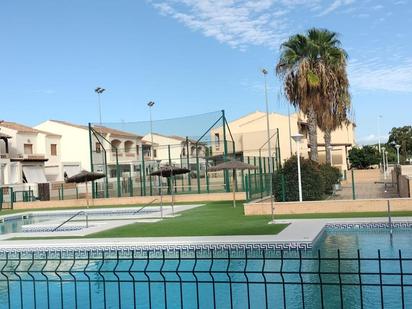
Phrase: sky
[191,57]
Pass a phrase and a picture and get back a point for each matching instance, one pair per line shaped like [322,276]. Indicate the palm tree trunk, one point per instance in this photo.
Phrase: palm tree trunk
[328,138]
[313,134]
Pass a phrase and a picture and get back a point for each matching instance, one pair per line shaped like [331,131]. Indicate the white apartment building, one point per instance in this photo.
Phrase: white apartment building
[250,137]
[75,148]
[28,155]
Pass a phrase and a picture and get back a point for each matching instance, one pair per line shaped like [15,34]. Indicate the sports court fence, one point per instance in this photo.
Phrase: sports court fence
[129,152]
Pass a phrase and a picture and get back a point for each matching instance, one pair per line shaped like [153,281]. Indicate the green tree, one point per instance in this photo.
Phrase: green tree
[364,157]
[313,69]
[403,137]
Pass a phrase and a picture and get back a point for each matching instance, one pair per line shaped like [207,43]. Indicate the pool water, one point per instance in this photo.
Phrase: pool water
[15,225]
[218,279]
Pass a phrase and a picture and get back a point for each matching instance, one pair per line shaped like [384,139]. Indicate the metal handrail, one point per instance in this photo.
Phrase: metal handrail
[72,217]
[144,206]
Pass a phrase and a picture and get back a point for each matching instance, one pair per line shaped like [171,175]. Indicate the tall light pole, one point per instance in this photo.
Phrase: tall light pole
[99,91]
[387,163]
[290,131]
[397,152]
[384,162]
[379,132]
[297,138]
[265,72]
[151,104]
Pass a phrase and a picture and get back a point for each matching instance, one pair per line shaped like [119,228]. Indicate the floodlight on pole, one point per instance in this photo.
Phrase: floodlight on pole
[387,163]
[265,72]
[384,162]
[99,91]
[379,133]
[397,152]
[297,138]
[151,104]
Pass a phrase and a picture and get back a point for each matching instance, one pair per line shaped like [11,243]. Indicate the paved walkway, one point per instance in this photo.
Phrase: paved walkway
[366,190]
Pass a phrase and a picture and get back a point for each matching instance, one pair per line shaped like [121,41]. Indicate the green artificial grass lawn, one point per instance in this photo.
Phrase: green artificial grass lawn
[212,219]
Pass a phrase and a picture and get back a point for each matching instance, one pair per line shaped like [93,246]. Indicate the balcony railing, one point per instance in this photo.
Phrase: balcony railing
[29,156]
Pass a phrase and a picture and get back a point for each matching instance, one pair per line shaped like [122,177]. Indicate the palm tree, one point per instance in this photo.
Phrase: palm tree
[311,66]
[332,119]
[335,112]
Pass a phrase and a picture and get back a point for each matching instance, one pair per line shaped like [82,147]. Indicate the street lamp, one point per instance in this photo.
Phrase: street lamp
[265,72]
[99,91]
[384,162]
[379,132]
[151,104]
[397,152]
[387,163]
[297,138]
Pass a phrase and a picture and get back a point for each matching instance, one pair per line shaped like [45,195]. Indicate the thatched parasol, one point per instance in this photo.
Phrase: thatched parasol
[233,165]
[168,171]
[84,177]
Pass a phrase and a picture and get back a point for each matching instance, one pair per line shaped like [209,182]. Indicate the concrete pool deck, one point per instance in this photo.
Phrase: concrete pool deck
[300,234]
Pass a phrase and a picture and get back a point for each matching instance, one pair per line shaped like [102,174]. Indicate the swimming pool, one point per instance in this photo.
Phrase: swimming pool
[101,218]
[14,224]
[219,278]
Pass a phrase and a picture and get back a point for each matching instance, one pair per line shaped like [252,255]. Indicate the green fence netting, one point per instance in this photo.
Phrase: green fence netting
[128,152]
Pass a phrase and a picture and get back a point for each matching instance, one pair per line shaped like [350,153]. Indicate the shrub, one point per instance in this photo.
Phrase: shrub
[312,181]
[330,176]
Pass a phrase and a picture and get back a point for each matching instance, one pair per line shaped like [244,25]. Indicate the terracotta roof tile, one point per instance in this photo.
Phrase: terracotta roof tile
[23,128]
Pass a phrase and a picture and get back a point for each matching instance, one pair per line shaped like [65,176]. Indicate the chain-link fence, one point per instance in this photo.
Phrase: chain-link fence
[128,153]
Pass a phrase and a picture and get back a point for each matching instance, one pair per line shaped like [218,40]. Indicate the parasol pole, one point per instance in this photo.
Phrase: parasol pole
[87,196]
[234,189]
[173,189]
[161,195]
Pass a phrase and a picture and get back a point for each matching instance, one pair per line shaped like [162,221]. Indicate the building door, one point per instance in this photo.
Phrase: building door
[44,191]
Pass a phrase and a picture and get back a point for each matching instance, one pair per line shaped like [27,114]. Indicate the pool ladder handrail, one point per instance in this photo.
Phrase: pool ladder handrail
[72,217]
[144,206]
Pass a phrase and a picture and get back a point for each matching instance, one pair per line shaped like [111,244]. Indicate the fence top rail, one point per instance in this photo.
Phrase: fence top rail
[161,256]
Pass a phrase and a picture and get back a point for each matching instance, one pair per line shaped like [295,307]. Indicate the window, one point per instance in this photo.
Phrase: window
[184,152]
[53,149]
[98,148]
[128,146]
[217,141]
[115,144]
[137,149]
[28,148]
[154,153]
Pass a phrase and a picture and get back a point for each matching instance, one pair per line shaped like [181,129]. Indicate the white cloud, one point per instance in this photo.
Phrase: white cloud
[335,5]
[236,23]
[377,7]
[372,139]
[376,75]
[242,23]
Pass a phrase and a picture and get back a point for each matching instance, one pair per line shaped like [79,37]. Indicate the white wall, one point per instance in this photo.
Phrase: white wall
[17,141]
[74,142]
